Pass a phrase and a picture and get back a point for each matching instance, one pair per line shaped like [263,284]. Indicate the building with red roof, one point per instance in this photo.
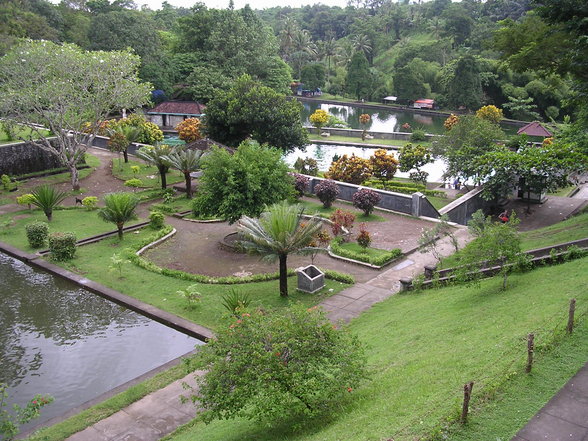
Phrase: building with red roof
[534,129]
[171,113]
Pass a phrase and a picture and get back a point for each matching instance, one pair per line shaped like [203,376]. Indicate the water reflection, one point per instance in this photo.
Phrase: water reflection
[67,342]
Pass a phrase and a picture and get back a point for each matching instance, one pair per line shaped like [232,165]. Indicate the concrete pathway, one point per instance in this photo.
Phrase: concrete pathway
[564,417]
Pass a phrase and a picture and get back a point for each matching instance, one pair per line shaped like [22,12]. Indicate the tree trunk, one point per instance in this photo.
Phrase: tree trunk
[163,177]
[283,276]
[75,177]
[49,215]
[126,155]
[120,226]
[188,179]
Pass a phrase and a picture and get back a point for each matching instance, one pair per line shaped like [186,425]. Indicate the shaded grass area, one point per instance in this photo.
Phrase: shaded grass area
[81,222]
[100,411]
[524,395]
[148,174]
[422,348]
[93,261]
[563,192]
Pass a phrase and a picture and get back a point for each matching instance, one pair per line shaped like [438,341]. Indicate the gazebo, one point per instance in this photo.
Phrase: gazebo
[535,129]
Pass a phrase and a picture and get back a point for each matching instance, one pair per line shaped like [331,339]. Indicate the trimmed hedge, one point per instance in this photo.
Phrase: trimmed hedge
[406,189]
[378,261]
[37,233]
[62,246]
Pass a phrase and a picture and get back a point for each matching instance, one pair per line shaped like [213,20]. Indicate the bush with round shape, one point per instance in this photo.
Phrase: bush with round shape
[365,200]
[451,121]
[134,183]
[300,183]
[62,246]
[327,192]
[37,233]
[384,165]
[156,220]
[90,202]
[282,365]
[351,169]
[342,222]
[319,118]
[25,199]
[189,130]
[364,238]
[490,113]
[418,135]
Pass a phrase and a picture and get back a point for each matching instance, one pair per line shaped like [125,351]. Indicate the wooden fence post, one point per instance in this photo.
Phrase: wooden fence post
[530,350]
[570,328]
[467,394]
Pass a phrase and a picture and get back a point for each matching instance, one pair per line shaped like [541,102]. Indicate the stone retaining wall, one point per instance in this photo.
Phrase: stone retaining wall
[21,158]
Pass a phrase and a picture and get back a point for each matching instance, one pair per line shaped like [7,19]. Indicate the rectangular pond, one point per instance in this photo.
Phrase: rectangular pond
[61,340]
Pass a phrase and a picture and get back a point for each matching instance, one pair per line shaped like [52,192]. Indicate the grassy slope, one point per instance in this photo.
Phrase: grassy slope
[424,347]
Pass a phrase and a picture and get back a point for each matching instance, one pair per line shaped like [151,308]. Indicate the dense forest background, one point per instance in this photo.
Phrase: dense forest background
[529,59]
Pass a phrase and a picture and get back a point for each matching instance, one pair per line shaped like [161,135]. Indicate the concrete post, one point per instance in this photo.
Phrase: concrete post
[416,203]
[430,271]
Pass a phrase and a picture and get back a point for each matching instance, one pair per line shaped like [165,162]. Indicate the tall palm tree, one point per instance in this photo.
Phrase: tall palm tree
[361,42]
[186,161]
[46,198]
[328,49]
[157,156]
[118,209]
[277,233]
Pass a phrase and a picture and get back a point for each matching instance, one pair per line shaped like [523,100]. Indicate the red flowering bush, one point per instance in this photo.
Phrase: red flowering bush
[365,200]
[342,221]
[364,239]
[327,192]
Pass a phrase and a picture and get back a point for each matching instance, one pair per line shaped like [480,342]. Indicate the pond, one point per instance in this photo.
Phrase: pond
[383,120]
[64,341]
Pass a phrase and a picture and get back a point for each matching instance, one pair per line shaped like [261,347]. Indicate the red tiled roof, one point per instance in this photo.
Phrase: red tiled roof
[534,129]
[179,107]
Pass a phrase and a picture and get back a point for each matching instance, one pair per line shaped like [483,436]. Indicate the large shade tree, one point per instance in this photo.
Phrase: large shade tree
[278,232]
[69,91]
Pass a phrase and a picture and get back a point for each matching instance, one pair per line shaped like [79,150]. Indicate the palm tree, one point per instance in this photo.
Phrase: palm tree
[328,49]
[157,156]
[277,233]
[46,198]
[361,42]
[186,161]
[118,209]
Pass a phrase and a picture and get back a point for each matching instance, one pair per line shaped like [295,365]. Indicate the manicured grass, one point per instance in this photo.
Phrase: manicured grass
[22,132]
[563,192]
[106,408]
[524,395]
[315,207]
[148,174]
[367,142]
[81,222]
[422,348]
[178,205]
[439,202]
[573,228]
[94,261]
[368,252]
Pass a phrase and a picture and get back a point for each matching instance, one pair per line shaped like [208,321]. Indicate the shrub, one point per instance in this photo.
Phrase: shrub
[365,200]
[90,202]
[451,121]
[135,169]
[490,113]
[327,192]
[189,130]
[235,301]
[352,169]
[364,238]
[306,166]
[319,118]
[37,233]
[62,246]
[134,183]
[298,364]
[381,260]
[156,220]
[300,183]
[384,165]
[47,198]
[342,221]
[6,182]
[418,135]
[192,296]
[25,199]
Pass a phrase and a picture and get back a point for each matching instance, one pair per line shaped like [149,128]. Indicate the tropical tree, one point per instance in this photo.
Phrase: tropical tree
[357,74]
[319,118]
[121,137]
[46,198]
[118,209]
[186,161]
[277,233]
[70,95]
[158,156]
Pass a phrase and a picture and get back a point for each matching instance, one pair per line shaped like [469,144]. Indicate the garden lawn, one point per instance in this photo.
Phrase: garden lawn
[148,174]
[22,132]
[93,261]
[439,202]
[573,228]
[422,348]
[368,252]
[81,222]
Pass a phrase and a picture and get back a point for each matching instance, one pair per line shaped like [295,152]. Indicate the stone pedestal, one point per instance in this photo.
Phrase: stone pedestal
[310,279]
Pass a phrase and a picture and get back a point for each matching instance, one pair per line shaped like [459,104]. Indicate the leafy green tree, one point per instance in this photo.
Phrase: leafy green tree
[313,75]
[415,157]
[121,137]
[458,24]
[248,110]
[186,161]
[242,183]
[357,72]
[281,365]
[71,95]
[158,156]
[278,232]
[465,88]
[119,208]
[206,81]
[409,84]
[47,198]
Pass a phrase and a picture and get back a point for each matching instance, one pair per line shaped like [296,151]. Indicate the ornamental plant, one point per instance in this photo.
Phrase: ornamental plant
[37,233]
[156,220]
[451,121]
[490,113]
[133,183]
[189,130]
[364,238]
[281,365]
[119,208]
[342,222]
[47,198]
[365,200]
[300,183]
[25,199]
[90,202]
[319,118]
[384,166]
[352,169]
[364,119]
[62,246]
[327,192]
[306,166]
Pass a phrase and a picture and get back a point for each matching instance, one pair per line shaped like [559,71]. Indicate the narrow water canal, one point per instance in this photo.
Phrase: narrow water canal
[58,339]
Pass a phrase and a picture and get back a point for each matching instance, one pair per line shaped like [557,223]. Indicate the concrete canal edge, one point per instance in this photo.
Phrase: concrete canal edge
[173,321]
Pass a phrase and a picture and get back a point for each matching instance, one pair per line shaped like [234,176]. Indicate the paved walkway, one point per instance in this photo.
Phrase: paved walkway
[565,417]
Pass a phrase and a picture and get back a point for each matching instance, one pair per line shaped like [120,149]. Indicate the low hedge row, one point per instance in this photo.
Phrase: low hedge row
[378,261]
[404,189]
[227,280]
[371,182]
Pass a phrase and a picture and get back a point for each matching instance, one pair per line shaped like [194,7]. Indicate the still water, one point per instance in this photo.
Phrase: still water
[61,340]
